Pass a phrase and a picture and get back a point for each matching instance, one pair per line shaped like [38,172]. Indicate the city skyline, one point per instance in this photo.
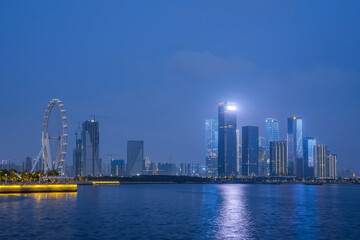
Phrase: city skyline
[297,145]
[192,119]
[138,83]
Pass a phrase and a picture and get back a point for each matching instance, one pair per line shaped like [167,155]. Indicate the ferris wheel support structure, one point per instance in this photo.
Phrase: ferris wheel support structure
[45,152]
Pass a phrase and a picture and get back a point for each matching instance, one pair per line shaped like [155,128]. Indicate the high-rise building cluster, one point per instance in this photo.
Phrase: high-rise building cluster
[253,155]
[230,151]
[86,160]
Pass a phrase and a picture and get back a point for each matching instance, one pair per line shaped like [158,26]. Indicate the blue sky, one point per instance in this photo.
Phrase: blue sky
[157,70]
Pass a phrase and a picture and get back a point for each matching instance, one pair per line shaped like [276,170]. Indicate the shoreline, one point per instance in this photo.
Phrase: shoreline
[37,188]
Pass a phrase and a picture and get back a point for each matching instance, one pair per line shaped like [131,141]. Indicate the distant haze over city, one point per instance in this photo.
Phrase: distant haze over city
[159,78]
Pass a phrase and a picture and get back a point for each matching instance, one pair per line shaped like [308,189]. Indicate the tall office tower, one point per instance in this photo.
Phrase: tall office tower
[272,133]
[77,160]
[295,147]
[28,164]
[320,161]
[250,151]
[332,166]
[227,158]
[309,148]
[135,157]
[117,167]
[211,146]
[91,162]
[238,149]
[262,159]
[278,158]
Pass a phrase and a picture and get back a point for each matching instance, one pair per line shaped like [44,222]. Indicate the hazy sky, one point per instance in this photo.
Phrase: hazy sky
[157,70]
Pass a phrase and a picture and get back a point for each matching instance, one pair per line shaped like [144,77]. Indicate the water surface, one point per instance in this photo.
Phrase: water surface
[185,211]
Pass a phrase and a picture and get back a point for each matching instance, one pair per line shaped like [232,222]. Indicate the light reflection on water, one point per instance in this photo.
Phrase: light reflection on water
[233,221]
[185,211]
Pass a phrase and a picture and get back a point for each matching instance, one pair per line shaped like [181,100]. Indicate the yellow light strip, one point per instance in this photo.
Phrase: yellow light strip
[38,188]
[105,182]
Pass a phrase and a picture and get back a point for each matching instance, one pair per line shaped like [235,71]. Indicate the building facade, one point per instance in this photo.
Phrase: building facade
[320,161]
[250,151]
[28,164]
[309,148]
[295,147]
[91,164]
[272,133]
[167,169]
[227,158]
[262,159]
[332,165]
[238,149]
[278,158]
[77,159]
[211,146]
[135,158]
[186,169]
[118,168]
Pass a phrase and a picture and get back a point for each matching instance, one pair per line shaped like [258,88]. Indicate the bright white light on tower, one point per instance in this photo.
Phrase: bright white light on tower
[231,108]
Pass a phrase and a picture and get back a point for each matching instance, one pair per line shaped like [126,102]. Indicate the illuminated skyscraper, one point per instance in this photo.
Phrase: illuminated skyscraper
[90,148]
[309,148]
[295,147]
[262,159]
[227,159]
[278,158]
[250,151]
[320,161]
[272,133]
[135,157]
[238,149]
[211,146]
[332,165]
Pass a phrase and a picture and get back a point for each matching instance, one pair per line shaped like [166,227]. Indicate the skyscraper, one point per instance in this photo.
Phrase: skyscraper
[332,166]
[77,160]
[278,158]
[295,147]
[262,158]
[91,163]
[320,161]
[135,157]
[227,159]
[238,149]
[309,148]
[272,133]
[250,151]
[211,146]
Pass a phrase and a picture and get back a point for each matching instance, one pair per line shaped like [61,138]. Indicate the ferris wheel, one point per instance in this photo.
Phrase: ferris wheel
[53,149]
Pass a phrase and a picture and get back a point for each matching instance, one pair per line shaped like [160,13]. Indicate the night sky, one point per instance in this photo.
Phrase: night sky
[155,70]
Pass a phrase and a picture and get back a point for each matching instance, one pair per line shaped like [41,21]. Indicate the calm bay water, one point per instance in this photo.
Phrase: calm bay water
[185,211]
